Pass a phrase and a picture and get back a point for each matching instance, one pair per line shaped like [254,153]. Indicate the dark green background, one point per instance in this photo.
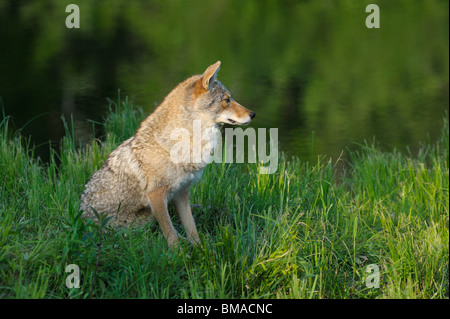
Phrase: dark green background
[309,68]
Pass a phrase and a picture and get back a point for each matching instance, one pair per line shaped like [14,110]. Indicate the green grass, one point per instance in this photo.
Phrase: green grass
[308,231]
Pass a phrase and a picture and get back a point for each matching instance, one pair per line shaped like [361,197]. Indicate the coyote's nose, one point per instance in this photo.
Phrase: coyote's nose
[252,115]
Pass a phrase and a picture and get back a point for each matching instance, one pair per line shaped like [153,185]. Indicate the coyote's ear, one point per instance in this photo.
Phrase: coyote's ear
[210,75]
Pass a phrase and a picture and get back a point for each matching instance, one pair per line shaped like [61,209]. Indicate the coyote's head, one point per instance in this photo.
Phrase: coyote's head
[213,99]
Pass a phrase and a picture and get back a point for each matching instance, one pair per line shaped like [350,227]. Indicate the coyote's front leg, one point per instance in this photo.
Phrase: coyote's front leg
[158,204]
[183,207]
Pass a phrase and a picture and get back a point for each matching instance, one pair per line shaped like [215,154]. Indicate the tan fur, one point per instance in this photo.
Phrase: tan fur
[199,89]
[138,179]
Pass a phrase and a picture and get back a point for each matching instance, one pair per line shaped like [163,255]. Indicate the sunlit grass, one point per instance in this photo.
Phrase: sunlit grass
[303,232]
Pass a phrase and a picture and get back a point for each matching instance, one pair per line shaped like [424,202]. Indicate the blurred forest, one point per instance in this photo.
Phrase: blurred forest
[310,68]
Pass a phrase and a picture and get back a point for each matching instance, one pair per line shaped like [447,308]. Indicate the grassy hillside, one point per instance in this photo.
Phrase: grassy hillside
[308,231]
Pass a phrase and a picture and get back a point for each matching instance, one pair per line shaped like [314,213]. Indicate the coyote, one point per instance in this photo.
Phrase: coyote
[138,178]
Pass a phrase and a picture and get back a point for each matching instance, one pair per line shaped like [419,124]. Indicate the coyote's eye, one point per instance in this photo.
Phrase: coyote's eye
[227,100]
